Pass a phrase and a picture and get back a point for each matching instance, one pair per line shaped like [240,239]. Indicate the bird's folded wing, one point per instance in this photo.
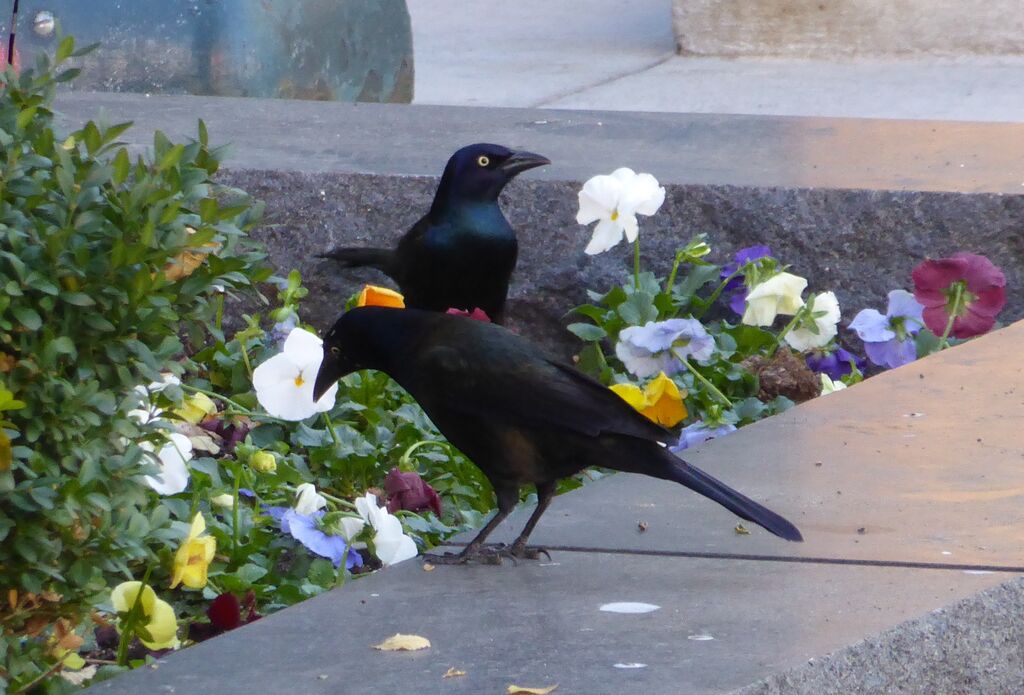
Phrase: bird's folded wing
[534,391]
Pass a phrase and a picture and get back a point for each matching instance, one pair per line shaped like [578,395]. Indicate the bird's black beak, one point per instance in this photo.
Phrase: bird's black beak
[332,368]
[519,162]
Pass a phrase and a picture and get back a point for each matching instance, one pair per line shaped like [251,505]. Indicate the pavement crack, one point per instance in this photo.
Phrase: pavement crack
[600,83]
[702,555]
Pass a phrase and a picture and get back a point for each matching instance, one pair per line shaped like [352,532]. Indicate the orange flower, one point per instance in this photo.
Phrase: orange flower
[372,295]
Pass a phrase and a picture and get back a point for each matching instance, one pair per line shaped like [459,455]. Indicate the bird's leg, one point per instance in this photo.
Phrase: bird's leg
[545,491]
[507,498]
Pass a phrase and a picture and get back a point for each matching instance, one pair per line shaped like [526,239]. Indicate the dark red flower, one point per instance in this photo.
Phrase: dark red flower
[225,612]
[984,293]
[410,492]
[477,314]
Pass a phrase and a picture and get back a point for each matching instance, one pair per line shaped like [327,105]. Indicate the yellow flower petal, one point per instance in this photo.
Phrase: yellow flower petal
[630,393]
[192,560]
[124,594]
[162,627]
[664,401]
[195,408]
[372,295]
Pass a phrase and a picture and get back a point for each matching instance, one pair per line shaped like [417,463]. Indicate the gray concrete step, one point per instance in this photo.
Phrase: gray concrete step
[722,623]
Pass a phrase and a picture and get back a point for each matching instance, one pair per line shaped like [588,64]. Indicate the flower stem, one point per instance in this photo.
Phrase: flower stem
[245,357]
[955,309]
[234,512]
[406,457]
[636,262]
[716,294]
[704,380]
[330,428]
[213,394]
[786,329]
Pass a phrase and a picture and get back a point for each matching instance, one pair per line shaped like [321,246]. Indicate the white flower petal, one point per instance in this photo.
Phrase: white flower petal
[368,509]
[394,549]
[827,325]
[173,476]
[624,175]
[590,210]
[643,195]
[304,349]
[630,227]
[308,500]
[606,235]
[351,527]
[285,390]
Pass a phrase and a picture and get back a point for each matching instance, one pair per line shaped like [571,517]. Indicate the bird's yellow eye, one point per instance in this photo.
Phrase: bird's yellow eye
[483,160]
[335,350]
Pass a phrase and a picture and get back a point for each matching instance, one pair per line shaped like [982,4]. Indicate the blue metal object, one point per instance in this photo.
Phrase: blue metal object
[346,50]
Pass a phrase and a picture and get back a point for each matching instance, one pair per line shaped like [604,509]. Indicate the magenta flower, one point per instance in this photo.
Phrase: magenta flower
[965,287]
[410,492]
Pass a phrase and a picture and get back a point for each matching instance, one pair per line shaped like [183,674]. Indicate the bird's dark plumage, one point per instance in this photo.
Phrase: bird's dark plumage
[520,416]
[461,254]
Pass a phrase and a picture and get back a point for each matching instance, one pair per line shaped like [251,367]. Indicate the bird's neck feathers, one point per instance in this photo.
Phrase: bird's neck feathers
[460,191]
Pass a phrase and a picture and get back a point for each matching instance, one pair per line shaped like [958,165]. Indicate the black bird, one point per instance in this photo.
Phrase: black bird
[519,415]
[462,253]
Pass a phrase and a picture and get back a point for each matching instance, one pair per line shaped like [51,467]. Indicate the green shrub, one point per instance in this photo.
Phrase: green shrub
[99,292]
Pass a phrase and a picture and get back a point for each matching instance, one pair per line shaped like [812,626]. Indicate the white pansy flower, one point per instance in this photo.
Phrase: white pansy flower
[308,500]
[825,313]
[173,475]
[779,294]
[614,201]
[284,383]
[389,541]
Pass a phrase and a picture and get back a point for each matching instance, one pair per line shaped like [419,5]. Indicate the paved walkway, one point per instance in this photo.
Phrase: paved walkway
[619,55]
[908,490]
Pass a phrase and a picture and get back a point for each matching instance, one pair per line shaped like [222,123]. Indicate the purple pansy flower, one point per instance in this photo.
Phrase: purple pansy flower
[738,298]
[698,433]
[888,339]
[304,529]
[659,346]
[836,364]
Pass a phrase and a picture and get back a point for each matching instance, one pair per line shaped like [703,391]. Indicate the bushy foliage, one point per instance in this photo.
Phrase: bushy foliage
[108,262]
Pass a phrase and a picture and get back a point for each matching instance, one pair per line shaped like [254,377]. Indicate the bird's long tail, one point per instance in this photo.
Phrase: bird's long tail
[360,257]
[700,482]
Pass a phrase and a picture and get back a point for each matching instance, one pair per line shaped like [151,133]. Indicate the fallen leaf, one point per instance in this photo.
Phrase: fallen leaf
[403,643]
[427,567]
[453,673]
[520,690]
[741,530]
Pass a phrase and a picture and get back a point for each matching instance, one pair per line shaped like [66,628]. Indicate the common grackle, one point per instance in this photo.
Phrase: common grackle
[519,415]
[461,254]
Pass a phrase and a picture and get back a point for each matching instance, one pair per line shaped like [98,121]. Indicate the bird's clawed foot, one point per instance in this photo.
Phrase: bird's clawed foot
[528,552]
[489,555]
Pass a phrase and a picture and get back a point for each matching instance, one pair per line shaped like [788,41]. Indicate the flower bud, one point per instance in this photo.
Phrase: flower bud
[263,462]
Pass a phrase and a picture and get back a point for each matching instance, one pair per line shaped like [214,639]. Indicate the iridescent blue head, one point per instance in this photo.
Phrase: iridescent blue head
[478,173]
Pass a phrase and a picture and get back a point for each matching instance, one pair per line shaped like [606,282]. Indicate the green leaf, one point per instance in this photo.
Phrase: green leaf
[122,166]
[64,49]
[587,332]
[322,573]
[251,573]
[77,298]
[28,318]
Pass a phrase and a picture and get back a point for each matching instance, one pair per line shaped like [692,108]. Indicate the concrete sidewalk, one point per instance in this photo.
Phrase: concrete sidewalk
[619,55]
[907,487]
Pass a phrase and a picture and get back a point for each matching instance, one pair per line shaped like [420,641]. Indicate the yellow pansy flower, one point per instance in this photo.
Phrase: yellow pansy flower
[194,556]
[161,624]
[661,400]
